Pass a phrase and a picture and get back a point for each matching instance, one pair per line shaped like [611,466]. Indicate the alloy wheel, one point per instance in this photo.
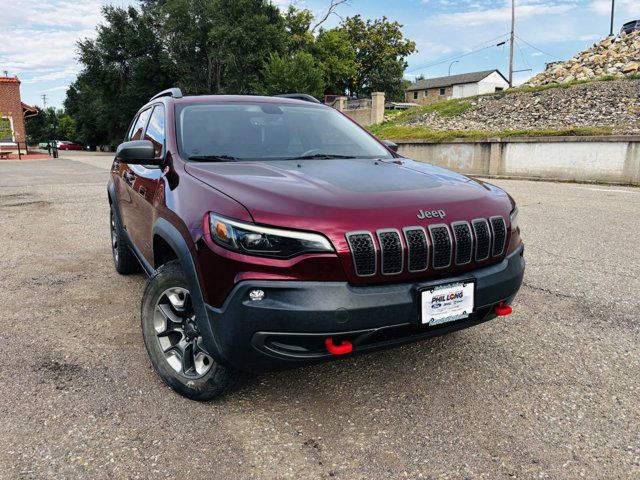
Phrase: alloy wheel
[174,322]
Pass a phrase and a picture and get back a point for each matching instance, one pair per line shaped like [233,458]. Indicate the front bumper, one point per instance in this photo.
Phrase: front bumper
[289,326]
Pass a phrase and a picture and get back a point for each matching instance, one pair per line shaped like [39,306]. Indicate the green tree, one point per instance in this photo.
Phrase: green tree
[67,127]
[381,50]
[338,59]
[218,46]
[122,68]
[297,24]
[299,73]
[40,127]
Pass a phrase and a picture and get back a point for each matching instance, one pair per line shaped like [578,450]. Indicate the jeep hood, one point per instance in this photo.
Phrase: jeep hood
[335,196]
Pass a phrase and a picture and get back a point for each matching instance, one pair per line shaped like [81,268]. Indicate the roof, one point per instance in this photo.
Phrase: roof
[472,77]
[9,80]
[28,110]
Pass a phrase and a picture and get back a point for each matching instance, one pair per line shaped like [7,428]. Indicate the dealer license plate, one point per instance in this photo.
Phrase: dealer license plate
[447,303]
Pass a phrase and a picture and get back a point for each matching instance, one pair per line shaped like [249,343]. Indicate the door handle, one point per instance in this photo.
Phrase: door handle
[129,177]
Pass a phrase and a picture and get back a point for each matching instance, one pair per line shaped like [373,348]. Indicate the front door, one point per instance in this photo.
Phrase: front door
[144,187]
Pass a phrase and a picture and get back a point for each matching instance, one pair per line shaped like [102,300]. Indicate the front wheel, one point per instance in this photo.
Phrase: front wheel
[173,340]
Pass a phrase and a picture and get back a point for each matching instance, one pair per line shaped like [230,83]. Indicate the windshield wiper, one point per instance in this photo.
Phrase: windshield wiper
[214,158]
[320,155]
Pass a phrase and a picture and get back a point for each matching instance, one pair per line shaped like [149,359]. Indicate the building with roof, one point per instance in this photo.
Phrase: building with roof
[456,86]
[13,112]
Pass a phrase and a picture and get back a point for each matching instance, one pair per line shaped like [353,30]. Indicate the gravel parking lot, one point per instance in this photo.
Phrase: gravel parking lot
[549,392]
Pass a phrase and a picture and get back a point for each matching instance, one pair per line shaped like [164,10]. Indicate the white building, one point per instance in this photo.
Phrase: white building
[456,86]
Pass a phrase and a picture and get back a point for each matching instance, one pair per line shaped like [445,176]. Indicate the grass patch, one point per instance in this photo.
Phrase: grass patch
[445,108]
[421,132]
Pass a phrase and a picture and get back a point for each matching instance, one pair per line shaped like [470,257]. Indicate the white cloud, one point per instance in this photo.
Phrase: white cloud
[476,18]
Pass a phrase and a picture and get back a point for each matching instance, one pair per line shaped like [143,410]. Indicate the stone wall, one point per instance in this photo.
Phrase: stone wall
[369,115]
[612,159]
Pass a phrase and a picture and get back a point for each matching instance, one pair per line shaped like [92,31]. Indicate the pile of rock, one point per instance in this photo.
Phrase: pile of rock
[614,104]
[616,57]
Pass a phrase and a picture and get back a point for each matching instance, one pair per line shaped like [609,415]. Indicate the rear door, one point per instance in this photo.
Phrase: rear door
[144,186]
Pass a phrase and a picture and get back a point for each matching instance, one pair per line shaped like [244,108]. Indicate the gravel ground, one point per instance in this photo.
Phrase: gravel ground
[549,392]
[595,104]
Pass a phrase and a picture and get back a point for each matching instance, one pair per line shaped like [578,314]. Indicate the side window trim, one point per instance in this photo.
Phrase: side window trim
[131,125]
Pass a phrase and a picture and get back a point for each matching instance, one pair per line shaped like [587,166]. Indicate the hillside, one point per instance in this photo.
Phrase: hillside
[593,93]
[612,57]
[593,108]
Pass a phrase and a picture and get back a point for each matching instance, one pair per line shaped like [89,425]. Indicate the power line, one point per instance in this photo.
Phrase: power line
[455,57]
[525,62]
[539,50]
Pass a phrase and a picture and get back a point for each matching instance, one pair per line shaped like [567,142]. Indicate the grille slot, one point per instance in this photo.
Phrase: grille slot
[418,248]
[483,239]
[441,241]
[499,232]
[464,242]
[390,251]
[363,252]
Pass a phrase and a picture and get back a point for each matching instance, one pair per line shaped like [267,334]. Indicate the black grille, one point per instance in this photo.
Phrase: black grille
[483,239]
[391,252]
[499,232]
[464,242]
[364,253]
[441,242]
[418,249]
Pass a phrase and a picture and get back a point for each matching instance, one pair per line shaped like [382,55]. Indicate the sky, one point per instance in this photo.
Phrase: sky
[38,37]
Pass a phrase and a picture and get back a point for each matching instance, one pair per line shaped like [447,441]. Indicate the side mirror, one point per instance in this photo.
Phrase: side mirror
[390,145]
[140,152]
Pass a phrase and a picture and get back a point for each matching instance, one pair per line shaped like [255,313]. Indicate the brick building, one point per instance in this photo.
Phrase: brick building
[12,112]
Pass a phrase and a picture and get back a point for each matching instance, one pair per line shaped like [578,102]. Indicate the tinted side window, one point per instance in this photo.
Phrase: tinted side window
[155,129]
[139,125]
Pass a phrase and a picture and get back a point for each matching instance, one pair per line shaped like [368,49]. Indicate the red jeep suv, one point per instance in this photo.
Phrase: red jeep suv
[276,232]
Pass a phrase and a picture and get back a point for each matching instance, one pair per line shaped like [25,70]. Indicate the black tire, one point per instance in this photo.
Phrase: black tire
[124,260]
[158,312]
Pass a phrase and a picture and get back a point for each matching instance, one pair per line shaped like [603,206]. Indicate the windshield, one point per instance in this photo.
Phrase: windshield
[263,131]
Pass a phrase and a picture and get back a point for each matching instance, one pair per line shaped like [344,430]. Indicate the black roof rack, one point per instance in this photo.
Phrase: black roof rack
[169,92]
[299,96]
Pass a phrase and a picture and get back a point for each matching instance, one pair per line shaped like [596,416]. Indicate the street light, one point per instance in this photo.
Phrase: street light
[451,64]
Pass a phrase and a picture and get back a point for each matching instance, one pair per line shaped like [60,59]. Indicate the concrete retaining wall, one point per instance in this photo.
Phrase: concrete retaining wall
[612,159]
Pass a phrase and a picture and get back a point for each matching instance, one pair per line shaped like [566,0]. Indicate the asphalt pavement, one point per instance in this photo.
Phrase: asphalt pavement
[551,391]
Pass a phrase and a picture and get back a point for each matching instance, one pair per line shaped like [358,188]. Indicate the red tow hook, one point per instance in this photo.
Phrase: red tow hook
[345,347]
[502,309]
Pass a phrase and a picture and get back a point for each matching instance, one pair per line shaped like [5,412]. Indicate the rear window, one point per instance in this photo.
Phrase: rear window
[255,131]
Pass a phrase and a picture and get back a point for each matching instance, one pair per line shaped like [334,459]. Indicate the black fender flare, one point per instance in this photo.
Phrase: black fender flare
[170,234]
[111,193]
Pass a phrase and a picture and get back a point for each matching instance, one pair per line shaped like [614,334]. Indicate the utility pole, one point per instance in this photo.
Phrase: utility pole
[613,8]
[44,101]
[513,27]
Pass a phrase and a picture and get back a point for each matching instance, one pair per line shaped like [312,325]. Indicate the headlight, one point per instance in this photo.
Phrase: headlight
[513,218]
[264,241]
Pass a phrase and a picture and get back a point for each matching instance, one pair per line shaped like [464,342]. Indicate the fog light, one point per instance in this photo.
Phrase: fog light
[256,295]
